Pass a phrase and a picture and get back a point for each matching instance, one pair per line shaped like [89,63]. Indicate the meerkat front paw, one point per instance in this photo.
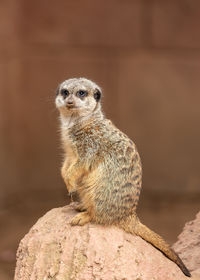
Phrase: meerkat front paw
[79,207]
[80,219]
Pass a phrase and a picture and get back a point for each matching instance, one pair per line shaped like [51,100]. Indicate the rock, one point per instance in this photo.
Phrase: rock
[188,245]
[54,250]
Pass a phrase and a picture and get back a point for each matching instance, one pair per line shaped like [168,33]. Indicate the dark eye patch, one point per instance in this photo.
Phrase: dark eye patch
[81,93]
[64,92]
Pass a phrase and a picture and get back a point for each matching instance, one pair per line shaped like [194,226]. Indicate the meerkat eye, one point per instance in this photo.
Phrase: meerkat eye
[64,92]
[82,93]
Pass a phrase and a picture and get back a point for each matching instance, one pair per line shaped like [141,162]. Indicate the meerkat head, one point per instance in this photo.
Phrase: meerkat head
[78,97]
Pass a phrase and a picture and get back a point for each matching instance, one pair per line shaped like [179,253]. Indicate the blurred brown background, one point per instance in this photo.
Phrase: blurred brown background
[146,57]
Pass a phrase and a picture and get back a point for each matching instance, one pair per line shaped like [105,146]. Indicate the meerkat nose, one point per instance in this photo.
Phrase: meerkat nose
[70,102]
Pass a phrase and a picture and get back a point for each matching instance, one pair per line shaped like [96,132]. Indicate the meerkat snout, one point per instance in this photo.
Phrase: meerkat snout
[70,102]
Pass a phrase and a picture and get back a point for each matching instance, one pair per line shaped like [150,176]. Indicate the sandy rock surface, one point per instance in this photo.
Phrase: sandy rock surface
[54,250]
[188,245]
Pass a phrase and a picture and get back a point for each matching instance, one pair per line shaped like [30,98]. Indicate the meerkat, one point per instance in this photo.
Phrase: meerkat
[101,164]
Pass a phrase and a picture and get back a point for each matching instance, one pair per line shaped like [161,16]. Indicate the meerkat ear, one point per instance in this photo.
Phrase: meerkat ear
[97,95]
[57,90]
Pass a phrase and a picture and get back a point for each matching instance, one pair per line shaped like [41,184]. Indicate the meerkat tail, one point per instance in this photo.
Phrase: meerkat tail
[136,227]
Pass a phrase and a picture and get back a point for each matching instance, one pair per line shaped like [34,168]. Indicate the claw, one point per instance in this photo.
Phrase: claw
[80,219]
